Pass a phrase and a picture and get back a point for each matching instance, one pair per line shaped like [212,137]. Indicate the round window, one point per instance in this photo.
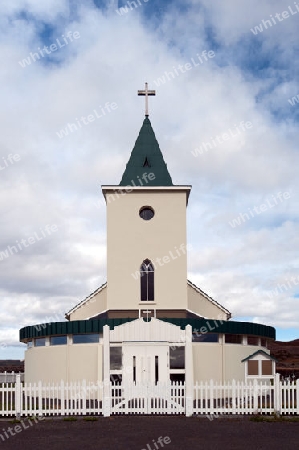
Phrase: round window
[146,213]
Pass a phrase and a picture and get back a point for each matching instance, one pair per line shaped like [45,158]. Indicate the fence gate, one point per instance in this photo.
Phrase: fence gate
[148,398]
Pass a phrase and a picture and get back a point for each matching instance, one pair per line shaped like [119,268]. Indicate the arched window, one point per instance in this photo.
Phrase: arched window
[147,280]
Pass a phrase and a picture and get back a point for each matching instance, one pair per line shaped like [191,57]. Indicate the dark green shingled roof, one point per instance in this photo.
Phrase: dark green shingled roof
[146,157]
[96,326]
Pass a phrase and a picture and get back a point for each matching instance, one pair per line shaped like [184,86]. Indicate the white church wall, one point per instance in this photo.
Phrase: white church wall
[202,306]
[130,240]
[233,355]
[92,307]
[220,362]
[74,362]
[207,361]
[85,362]
[47,364]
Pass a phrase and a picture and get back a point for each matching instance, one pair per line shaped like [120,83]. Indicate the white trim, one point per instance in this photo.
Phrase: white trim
[146,188]
[82,303]
[155,330]
[197,289]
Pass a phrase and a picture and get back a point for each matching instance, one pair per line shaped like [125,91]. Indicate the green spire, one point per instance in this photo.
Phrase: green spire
[146,157]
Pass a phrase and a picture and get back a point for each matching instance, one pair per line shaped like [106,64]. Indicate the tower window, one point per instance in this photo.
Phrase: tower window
[146,162]
[146,213]
[147,280]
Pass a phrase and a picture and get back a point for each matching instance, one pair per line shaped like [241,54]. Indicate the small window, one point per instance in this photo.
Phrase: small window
[29,344]
[146,213]
[207,337]
[40,342]
[252,340]
[233,338]
[115,358]
[267,367]
[264,342]
[177,357]
[58,340]
[147,281]
[134,369]
[253,367]
[156,369]
[86,338]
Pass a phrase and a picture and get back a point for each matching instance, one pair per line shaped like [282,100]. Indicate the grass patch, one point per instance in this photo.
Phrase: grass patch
[90,418]
[273,418]
[70,419]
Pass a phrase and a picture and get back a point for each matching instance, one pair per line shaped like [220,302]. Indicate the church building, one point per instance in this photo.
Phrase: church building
[148,322]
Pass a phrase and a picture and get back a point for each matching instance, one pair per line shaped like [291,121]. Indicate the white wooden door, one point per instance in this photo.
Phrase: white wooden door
[144,362]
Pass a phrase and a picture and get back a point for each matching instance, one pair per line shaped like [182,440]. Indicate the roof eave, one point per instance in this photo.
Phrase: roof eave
[110,189]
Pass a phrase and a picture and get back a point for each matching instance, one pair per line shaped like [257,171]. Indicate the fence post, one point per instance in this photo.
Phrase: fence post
[40,399]
[106,372]
[83,398]
[18,397]
[255,396]
[107,399]
[62,398]
[234,396]
[189,383]
[297,393]
[277,388]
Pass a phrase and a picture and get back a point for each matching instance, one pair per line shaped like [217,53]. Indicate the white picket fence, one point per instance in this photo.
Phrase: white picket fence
[21,399]
[236,398]
[145,398]
[10,377]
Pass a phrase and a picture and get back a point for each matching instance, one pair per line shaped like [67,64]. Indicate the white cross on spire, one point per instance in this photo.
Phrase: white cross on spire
[146,92]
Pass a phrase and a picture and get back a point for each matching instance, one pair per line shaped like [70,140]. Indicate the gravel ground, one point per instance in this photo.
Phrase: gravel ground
[143,432]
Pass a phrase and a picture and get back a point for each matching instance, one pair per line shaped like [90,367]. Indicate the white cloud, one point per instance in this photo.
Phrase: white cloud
[57,181]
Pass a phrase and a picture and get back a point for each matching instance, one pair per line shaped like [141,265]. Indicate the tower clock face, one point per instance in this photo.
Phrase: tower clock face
[146,213]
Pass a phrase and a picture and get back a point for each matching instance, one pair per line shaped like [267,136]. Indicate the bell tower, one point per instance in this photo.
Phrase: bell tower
[146,232]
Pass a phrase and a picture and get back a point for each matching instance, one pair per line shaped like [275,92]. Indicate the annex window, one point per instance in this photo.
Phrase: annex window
[115,358]
[147,280]
[253,367]
[252,340]
[259,367]
[40,342]
[177,357]
[205,337]
[58,340]
[233,338]
[267,368]
[91,338]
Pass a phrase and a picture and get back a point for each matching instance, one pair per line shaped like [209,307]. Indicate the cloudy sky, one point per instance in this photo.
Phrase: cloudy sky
[226,118]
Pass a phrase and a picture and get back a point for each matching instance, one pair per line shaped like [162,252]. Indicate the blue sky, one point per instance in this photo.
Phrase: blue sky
[101,56]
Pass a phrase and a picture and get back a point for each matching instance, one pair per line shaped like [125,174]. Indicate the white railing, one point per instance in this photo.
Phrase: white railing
[61,399]
[288,397]
[147,398]
[10,377]
[209,398]
[234,398]
[8,392]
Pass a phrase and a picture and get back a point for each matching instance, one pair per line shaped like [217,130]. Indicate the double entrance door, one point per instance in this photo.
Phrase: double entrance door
[145,362]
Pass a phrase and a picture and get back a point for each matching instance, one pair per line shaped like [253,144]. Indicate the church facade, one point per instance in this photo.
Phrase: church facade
[147,322]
